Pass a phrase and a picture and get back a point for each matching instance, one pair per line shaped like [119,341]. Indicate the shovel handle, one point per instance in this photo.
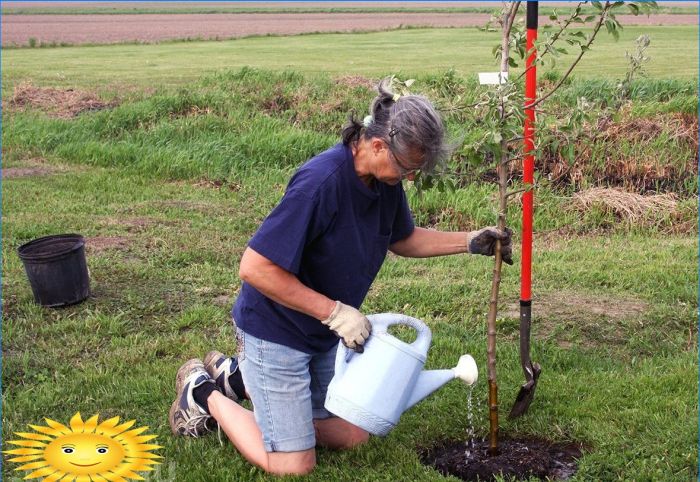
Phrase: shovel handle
[525,322]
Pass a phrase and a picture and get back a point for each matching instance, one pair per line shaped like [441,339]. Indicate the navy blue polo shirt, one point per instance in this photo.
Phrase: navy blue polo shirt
[333,232]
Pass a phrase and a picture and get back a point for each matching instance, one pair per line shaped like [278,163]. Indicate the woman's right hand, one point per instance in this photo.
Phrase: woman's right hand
[350,325]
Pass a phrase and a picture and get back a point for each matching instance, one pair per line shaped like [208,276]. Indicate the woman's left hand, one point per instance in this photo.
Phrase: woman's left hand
[484,240]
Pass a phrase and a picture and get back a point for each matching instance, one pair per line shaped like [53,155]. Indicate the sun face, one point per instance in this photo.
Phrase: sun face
[86,450]
[84,453]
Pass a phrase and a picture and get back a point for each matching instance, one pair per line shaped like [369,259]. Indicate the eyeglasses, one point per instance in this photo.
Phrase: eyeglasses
[401,166]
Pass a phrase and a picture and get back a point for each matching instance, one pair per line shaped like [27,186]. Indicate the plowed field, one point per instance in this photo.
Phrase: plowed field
[80,29]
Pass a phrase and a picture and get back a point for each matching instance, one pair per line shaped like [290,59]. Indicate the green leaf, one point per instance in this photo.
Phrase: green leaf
[597,5]
[554,146]
[512,62]
[611,27]
[633,8]
[590,18]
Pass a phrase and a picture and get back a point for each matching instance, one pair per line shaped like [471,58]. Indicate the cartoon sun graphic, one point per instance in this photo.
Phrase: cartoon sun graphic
[85,452]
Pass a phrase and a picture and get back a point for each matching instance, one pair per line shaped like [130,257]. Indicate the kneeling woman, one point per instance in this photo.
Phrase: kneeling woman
[305,274]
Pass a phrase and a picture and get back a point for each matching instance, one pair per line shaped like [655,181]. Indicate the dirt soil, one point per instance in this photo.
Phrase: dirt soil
[100,243]
[80,29]
[60,103]
[13,172]
[31,167]
[518,458]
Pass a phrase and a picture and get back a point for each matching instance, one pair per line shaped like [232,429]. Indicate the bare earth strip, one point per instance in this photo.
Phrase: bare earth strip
[79,29]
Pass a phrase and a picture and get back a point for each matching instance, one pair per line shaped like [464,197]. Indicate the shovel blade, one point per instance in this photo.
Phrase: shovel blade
[526,394]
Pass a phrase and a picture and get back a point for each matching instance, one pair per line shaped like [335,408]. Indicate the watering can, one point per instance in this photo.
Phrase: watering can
[372,389]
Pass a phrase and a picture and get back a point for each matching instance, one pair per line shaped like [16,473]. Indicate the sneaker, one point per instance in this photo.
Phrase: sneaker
[220,368]
[186,416]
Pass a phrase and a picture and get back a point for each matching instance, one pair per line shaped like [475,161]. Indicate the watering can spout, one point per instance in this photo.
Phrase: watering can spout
[430,380]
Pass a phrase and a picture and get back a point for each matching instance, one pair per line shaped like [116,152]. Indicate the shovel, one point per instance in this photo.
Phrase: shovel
[530,369]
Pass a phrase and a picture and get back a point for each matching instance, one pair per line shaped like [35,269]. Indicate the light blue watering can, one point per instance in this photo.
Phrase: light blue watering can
[372,389]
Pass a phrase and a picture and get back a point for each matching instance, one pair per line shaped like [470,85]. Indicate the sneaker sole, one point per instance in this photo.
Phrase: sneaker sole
[210,367]
[182,373]
[210,360]
[171,416]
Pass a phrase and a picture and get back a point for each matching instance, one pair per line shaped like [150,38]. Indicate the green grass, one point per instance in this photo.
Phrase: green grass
[234,121]
[169,186]
[623,381]
[674,53]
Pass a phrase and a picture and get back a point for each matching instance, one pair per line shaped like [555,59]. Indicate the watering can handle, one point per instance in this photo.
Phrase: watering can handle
[342,357]
[381,323]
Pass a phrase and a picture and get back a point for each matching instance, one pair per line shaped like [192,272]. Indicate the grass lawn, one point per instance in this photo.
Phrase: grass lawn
[614,328]
[168,188]
[674,53]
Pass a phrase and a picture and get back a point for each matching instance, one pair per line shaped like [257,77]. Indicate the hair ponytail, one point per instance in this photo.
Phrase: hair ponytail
[352,130]
[409,125]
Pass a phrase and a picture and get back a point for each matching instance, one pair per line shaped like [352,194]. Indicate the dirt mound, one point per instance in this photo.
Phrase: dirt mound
[30,167]
[682,127]
[60,103]
[601,158]
[100,243]
[519,459]
[13,172]
[353,81]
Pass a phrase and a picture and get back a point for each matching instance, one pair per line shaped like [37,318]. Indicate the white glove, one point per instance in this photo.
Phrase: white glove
[350,325]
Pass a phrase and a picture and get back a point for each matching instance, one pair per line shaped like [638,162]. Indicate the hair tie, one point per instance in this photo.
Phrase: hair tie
[367,121]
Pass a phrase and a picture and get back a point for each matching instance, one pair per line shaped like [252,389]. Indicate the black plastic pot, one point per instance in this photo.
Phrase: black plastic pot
[57,269]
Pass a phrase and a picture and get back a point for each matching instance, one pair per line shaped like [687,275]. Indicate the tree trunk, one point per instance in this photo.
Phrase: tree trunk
[502,170]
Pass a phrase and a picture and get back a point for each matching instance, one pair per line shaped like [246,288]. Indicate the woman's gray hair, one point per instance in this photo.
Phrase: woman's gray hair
[409,124]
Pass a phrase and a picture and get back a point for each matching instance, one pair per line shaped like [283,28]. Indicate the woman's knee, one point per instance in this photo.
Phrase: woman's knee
[357,436]
[336,433]
[291,463]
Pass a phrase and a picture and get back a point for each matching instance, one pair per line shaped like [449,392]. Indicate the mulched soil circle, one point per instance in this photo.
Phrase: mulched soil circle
[518,458]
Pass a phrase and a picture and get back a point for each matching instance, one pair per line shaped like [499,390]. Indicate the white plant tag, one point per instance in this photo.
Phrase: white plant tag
[493,78]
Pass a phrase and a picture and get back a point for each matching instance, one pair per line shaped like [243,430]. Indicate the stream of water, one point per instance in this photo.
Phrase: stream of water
[471,443]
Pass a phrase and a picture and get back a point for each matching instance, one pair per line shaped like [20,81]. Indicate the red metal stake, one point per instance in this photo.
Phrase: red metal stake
[529,162]
[531,370]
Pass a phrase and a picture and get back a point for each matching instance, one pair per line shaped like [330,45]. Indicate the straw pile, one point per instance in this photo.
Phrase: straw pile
[628,206]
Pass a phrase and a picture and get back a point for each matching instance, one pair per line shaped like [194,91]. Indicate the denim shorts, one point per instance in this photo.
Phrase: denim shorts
[287,388]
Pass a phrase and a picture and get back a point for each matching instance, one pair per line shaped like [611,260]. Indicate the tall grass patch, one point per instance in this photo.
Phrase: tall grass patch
[249,119]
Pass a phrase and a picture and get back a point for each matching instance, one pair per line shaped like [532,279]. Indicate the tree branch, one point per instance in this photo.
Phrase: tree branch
[553,39]
[507,24]
[603,17]
[518,191]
